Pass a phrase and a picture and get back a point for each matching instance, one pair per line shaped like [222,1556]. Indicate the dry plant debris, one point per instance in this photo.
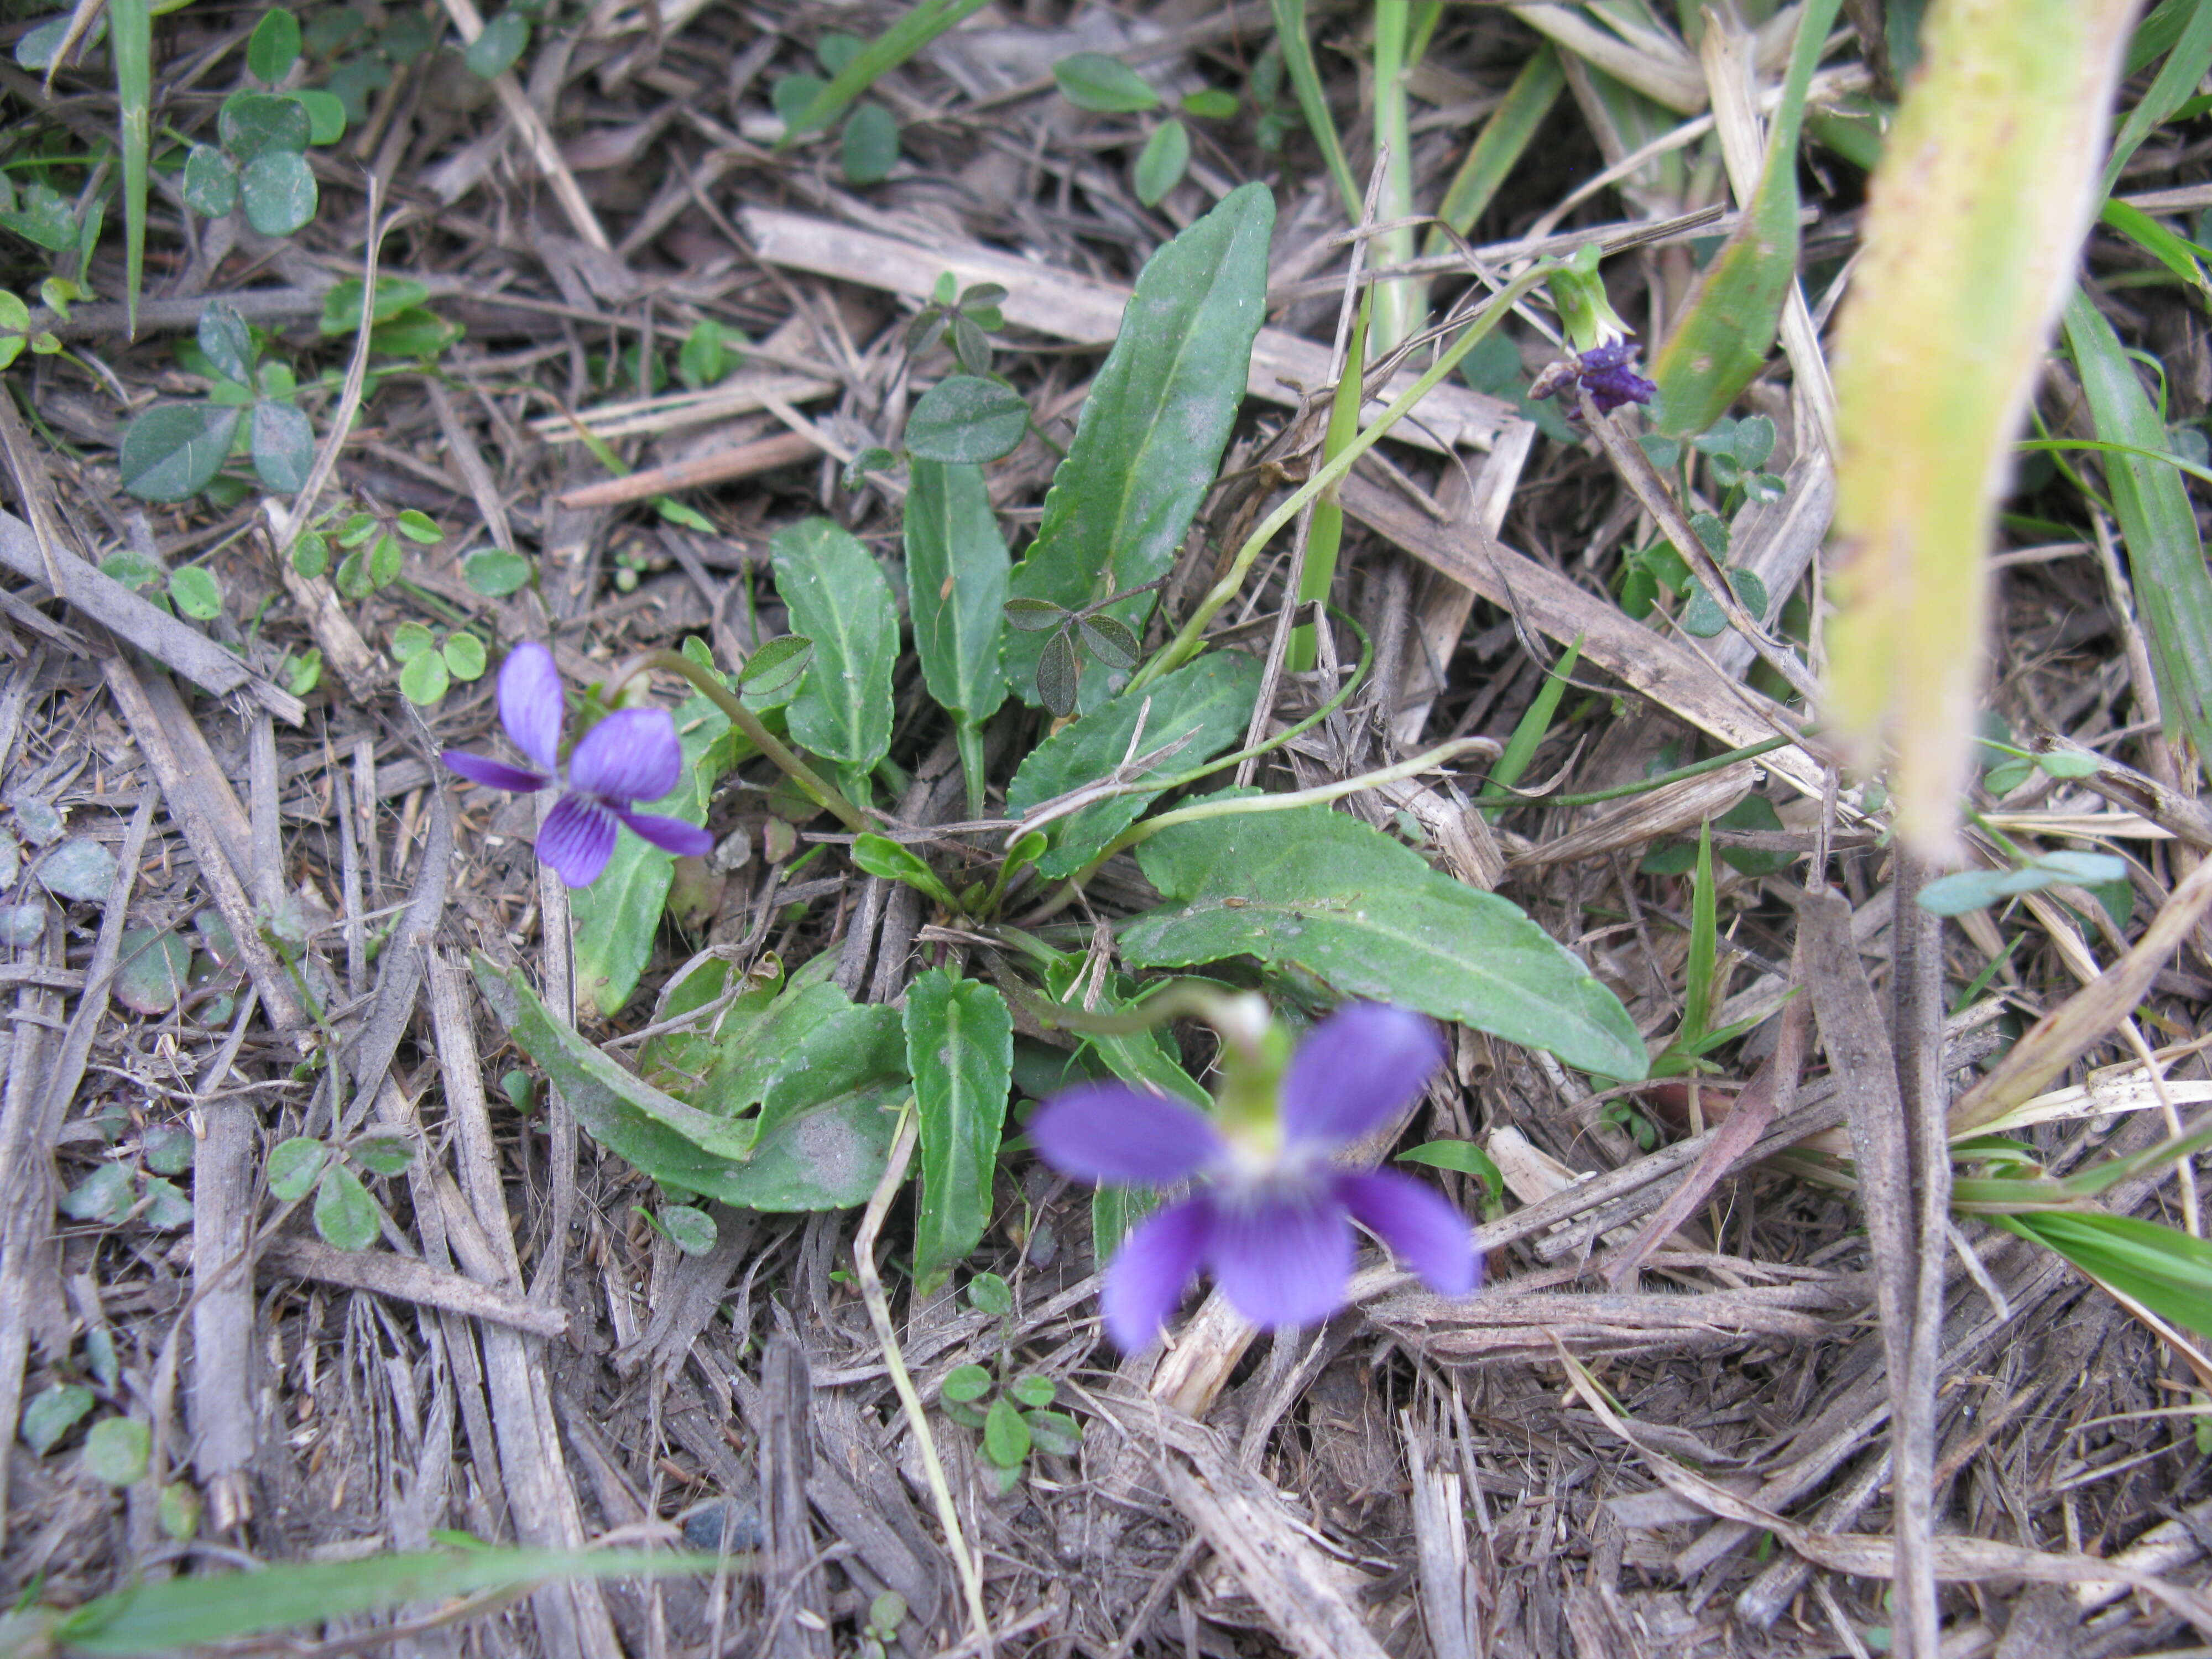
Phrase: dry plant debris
[920,436]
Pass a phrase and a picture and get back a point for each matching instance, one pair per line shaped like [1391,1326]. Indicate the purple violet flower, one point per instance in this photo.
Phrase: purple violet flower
[1607,373]
[632,755]
[1269,1220]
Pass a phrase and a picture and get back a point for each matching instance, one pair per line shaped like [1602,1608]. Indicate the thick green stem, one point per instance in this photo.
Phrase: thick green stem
[969,737]
[823,793]
[1185,645]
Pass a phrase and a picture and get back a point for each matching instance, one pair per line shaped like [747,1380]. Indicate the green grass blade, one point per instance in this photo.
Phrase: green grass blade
[1504,139]
[130,27]
[1705,946]
[1535,720]
[2176,81]
[2162,1268]
[1976,217]
[2177,253]
[1305,81]
[886,52]
[2172,591]
[1326,536]
[1722,342]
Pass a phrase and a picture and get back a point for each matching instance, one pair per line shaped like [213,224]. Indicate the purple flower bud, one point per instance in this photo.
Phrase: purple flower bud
[1270,1218]
[1606,373]
[632,755]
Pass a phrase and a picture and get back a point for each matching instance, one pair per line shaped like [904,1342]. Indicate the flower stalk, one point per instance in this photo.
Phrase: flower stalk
[818,789]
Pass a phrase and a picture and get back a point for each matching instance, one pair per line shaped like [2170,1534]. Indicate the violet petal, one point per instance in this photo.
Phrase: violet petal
[1355,1069]
[529,702]
[493,775]
[577,839]
[1282,1256]
[632,755]
[1109,1132]
[686,841]
[1150,1272]
[1419,1225]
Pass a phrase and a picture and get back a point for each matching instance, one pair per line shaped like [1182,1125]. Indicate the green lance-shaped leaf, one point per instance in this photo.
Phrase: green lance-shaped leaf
[2157,522]
[166,1616]
[1208,703]
[1976,216]
[957,568]
[669,1141]
[1321,891]
[1151,434]
[1721,343]
[839,598]
[960,1048]
[616,917]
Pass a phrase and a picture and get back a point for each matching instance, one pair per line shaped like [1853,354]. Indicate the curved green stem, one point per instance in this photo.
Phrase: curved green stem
[1511,797]
[823,793]
[1185,645]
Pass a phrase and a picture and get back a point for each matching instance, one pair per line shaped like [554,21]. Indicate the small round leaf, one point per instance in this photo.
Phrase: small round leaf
[53,1413]
[79,869]
[274,46]
[1160,166]
[210,181]
[326,114]
[464,657]
[117,1450]
[1092,81]
[1006,1435]
[256,124]
[409,641]
[504,40]
[424,680]
[771,674]
[689,1229]
[293,1166]
[283,446]
[967,1383]
[495,574]
[155,966]
[965,419]
[278,189]
[870,144]
[174,450]
[195,592]
[384,1155]
[345,1215]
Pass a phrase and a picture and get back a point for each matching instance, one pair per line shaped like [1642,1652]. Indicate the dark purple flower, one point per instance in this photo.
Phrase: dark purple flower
[632,755]
[1607,373]
[1269,1220]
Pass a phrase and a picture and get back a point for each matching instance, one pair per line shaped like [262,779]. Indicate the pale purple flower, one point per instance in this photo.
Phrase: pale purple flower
[1270,1219]
[632,755]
